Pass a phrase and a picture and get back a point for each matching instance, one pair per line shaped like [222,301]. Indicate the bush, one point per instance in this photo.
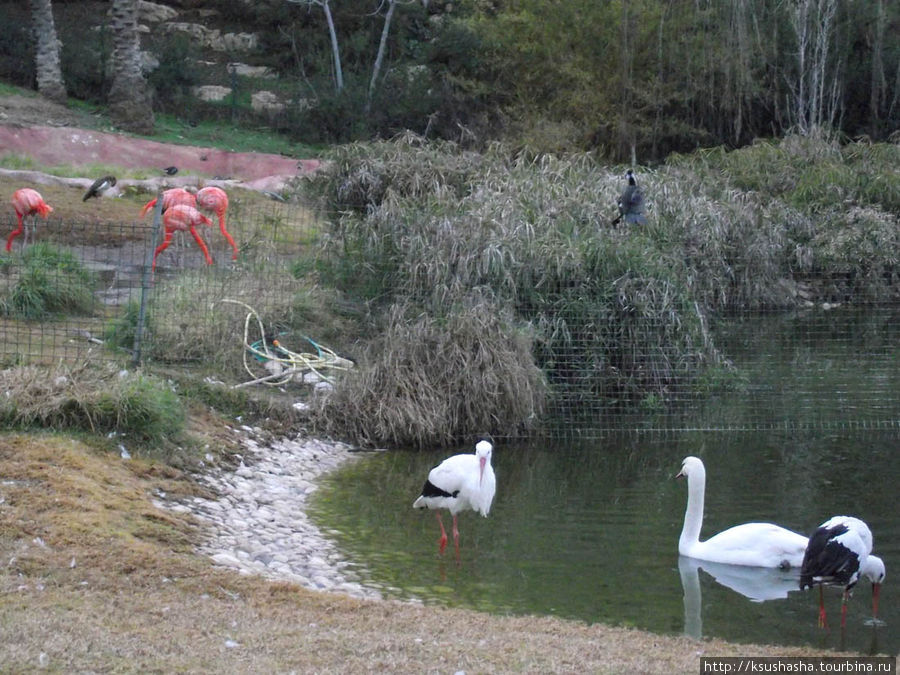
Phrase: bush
[49,281]
[620,316]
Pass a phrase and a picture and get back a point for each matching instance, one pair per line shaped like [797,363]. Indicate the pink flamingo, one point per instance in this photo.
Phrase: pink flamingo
[26,202]
[214,199]
[182,217]
[171,198]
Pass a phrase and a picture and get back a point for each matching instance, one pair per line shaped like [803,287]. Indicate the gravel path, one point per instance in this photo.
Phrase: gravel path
[258,524]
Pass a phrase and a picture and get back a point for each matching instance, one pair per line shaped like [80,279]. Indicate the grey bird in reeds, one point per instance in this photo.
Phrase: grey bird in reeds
[98,187]
[631,202]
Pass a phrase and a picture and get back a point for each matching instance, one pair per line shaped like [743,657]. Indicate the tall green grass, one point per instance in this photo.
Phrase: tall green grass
[619,316]
[428,379]
[48,281]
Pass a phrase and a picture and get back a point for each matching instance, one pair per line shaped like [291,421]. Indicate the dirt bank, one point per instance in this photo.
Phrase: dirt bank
[54,135]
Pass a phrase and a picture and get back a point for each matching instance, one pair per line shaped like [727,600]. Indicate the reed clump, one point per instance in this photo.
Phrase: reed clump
[430,379]
[620,316]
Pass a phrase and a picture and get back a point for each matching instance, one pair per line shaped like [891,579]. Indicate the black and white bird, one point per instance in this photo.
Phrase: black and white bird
[839,552]
[631,202]
[170,170]
[459,483]
[98,187]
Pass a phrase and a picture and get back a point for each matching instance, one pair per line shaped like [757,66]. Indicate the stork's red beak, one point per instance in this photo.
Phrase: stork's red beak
[876,591]
[481,462]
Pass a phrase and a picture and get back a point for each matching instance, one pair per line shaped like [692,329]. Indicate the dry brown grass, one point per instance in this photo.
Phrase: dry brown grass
[138,600]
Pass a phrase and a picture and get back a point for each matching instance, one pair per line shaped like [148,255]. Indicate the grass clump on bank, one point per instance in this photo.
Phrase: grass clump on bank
[101,400]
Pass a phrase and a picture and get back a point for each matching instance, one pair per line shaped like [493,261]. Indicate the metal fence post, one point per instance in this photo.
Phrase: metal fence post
[147,279]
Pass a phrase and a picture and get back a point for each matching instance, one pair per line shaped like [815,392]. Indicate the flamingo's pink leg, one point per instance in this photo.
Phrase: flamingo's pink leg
[201,244]
[162,247]
[234,247]
[15,233]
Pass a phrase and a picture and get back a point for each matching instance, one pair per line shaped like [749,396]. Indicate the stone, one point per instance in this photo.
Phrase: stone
[155,13]
[258,524]
[265,101]
[245,70]
[211,92]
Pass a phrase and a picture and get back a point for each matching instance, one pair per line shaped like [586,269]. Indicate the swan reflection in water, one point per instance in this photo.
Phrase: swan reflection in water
[755,583]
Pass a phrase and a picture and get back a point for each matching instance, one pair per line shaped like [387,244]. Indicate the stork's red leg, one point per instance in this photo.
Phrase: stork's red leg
[455,535]
[442,544]
[822,622]
[228,237]
[201,244]
[15,233]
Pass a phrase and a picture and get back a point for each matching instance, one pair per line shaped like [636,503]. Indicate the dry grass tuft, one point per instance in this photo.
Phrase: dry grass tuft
[436,379]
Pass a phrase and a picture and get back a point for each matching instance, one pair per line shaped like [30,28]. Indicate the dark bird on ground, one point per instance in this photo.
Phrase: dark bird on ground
[170,170]
[631,202]
[98,187]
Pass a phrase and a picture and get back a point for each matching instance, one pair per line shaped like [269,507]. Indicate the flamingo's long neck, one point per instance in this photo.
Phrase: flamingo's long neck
[693,514]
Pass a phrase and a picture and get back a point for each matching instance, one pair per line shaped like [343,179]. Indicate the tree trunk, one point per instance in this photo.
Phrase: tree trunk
[49,74]
[335,51]
[376,69]
[129,96]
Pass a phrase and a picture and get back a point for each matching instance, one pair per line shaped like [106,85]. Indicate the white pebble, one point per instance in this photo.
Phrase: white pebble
[258,525]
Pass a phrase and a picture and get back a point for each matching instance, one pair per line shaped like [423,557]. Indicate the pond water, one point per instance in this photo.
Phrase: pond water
[589,529]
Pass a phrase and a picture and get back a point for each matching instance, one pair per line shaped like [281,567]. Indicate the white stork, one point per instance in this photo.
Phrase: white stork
[458,483]
[839,553]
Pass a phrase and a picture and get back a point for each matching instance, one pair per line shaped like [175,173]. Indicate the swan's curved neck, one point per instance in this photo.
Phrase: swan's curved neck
[693,514]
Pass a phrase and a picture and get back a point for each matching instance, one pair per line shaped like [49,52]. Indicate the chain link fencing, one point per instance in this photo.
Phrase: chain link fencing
[82,291]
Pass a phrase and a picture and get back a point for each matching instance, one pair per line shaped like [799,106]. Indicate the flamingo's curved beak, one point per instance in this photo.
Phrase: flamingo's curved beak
[481,462]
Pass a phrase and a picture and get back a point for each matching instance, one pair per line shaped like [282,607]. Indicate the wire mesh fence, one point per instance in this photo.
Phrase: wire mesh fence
[76,291]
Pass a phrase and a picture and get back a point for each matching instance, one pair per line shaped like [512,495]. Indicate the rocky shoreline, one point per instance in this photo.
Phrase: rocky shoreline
[258,523]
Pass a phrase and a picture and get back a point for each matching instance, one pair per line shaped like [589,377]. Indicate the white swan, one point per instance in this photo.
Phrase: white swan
[753,544]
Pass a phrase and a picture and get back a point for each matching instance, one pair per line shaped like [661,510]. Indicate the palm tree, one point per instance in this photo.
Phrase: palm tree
[129,96]
[49,74]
